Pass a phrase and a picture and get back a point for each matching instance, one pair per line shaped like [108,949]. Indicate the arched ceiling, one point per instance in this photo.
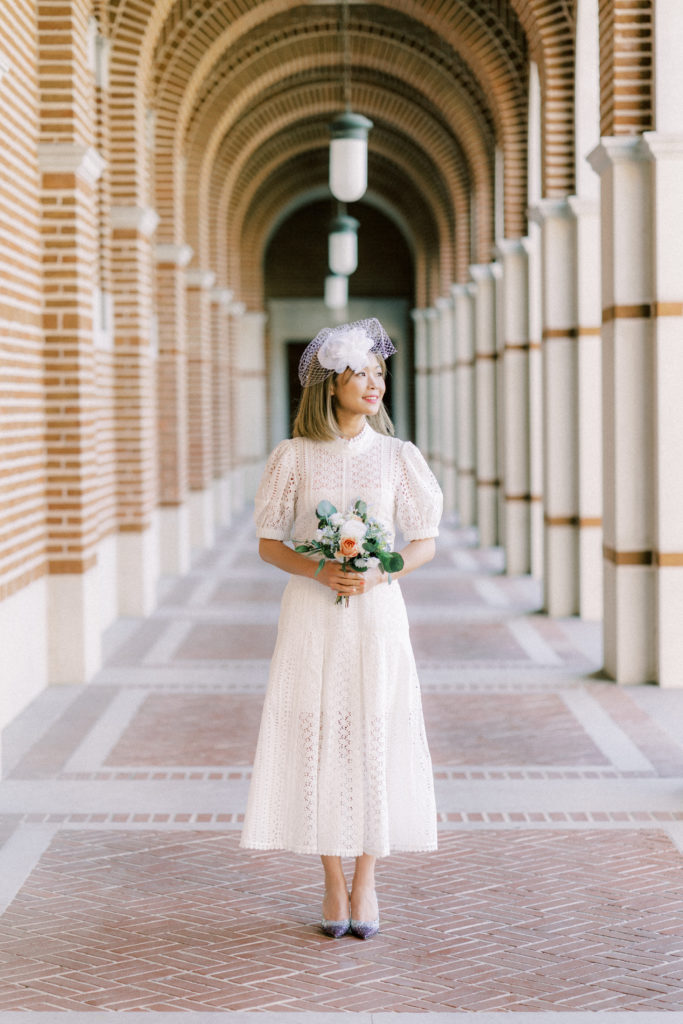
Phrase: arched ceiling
[244,90]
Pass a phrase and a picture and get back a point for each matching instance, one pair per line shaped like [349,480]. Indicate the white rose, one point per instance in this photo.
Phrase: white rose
[336,519]
[372,563]
[354,528]
[350,349]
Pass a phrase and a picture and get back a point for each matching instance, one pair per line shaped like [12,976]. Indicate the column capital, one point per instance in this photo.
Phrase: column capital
[584,206]
[510,247]
[617,149]
[443,304]
[195,277]
[222,296]
[142,219]
[430,313]
[237,309]
[178,255]
[418,315]
[664,145]
[70,158]
[481,272]
[461,291]
[550,209]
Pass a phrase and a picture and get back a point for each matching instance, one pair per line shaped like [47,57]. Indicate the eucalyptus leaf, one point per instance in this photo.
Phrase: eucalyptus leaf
[325,509]
[321,563]
[302,548]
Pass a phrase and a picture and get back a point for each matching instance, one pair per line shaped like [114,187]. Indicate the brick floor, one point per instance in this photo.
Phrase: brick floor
[557,887]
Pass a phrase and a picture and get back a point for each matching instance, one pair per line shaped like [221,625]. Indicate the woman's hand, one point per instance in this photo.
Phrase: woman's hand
[348,583]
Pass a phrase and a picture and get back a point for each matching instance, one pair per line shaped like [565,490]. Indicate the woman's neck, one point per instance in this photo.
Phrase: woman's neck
[350,426]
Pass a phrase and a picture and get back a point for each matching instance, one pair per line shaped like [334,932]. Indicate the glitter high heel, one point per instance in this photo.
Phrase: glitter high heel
[364,929]
[335,929]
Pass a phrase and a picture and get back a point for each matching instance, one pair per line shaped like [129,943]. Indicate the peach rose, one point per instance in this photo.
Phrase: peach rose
[348,547]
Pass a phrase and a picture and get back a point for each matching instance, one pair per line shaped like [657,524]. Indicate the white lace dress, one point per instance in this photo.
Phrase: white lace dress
[342,765]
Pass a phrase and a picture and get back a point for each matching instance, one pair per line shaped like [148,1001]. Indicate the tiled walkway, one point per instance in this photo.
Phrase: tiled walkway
[557,890]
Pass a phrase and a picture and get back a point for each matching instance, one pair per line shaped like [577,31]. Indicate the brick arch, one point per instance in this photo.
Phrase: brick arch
[504,77]
[626,57]
[442,162]
[238,206]
[276,190]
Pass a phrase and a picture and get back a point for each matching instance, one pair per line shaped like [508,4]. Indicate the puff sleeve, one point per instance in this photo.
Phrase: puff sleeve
[419,501]
[275,501]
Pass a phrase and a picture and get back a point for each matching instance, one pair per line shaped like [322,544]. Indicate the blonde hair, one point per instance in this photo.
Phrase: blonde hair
[315,416]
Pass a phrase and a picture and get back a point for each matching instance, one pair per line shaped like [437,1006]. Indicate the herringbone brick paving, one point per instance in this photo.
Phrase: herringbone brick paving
[557,887]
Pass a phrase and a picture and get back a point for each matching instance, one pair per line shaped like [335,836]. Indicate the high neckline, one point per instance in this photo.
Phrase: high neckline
[355,443]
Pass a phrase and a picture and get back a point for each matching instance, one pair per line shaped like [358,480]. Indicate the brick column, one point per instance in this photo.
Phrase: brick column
[421,381]
[515,446]
[465,402]
[560,391]
[172,415]
[136,436]
[629,520]
[200,402]
[446,386]
[220,359]
[486,403]
[69,172]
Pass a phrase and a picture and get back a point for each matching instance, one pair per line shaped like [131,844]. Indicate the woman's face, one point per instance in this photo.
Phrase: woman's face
[360,393]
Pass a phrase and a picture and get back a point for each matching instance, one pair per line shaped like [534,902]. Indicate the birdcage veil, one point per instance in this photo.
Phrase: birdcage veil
[335,348]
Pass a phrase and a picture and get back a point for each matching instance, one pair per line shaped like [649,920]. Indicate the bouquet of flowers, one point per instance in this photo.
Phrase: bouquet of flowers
[354,538]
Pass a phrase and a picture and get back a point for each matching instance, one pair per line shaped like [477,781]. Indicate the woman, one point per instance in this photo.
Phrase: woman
[342,767]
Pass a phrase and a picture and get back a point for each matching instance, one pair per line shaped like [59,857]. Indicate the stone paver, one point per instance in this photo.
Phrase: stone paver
[557,888]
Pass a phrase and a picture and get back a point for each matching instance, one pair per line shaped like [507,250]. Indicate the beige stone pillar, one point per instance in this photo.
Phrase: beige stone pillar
[221,299]
[629,520]
[560,392]
[174,515]
[445,382]
[421,381]
[463,299]
[250,399]
[433,390]
[589,387]
[486,403]
[515,442]
[199,386]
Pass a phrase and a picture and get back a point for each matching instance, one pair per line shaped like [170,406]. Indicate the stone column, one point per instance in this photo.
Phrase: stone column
[465,399]
[236,312]
[421,381]
[69,173]
[250,397]
[666,151]
[560,388]
[589,378]
[199,381]
[433,391]
[485,390]
[445,382]
[533,243]
[220,361]
[174,515]
[515,453]
[629,625]
[138,554]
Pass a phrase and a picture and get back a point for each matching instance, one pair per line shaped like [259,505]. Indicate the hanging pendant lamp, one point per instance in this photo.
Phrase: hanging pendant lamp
[336,291]
[349,135]
[342,244]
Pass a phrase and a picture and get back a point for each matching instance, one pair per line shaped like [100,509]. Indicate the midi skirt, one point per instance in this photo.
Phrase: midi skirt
[342,765]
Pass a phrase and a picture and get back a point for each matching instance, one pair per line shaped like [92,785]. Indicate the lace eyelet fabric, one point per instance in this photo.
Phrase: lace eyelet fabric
[342,765]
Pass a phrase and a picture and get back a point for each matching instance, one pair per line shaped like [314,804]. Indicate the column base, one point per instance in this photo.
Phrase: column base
[590,573]
[467,499]
[517,531]
[669,632]
[138,568]
[487,516]
[629,624]
[561,591]
[222,502]
[74,647]
[202,525]
[174,540]
[24,648]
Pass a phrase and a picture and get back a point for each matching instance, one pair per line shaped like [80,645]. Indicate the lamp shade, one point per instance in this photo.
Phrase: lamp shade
[342,245]
[336,291]
[349,156]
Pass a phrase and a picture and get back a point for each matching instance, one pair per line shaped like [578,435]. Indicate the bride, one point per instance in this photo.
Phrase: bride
[342,767]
